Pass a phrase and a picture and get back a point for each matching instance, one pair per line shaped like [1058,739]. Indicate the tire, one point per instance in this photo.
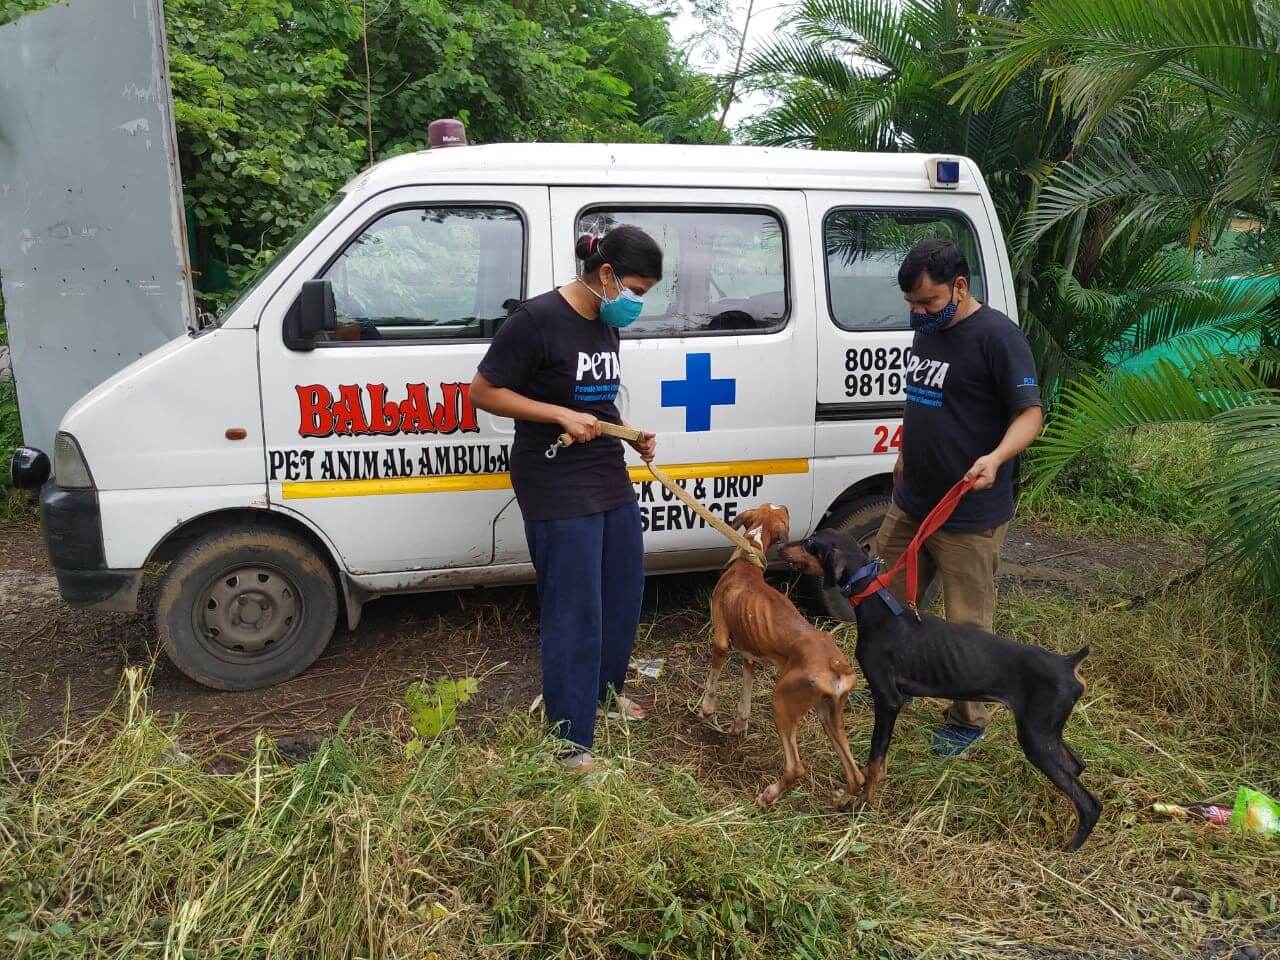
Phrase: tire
[861,520]
[246,609]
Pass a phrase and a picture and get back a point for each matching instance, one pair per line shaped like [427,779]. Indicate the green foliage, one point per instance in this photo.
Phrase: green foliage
[11,10]
[279,102]
[873,75]
[1246,484]
[1240,488]
[1136,484]
[260,146]
[1177,123]
[434,710]
[10,427]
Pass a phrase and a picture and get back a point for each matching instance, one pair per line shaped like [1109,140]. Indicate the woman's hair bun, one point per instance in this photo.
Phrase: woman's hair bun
[587,246]
[631,252]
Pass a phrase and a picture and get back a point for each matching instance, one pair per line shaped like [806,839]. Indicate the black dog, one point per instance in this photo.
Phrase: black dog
[933,658]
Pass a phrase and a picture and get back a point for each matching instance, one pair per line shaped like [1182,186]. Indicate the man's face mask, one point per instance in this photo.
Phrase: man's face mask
[933,322]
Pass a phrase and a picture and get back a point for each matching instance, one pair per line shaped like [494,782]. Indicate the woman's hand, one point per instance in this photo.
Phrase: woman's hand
[582,427]
[646,446]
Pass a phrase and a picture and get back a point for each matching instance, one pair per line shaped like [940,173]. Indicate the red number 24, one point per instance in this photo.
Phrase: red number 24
[885,443]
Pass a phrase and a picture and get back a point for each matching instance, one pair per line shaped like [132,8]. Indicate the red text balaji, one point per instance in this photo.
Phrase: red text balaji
[365,411]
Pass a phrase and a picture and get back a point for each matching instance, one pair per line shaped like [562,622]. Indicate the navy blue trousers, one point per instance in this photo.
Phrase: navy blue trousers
[590,584]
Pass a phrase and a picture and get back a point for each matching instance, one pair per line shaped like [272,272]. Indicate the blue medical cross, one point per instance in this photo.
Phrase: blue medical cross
[698,392]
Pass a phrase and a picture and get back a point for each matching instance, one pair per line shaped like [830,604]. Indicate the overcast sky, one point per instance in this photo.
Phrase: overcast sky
[764,20]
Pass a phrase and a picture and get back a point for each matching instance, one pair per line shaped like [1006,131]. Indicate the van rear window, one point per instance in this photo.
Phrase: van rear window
[724,269]
[430,273]
[864,250]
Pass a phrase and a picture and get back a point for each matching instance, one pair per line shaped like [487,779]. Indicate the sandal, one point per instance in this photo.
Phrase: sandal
[630,710]
[580,762]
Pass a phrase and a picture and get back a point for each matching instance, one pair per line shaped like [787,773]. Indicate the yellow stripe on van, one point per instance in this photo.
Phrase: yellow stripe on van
[323,489]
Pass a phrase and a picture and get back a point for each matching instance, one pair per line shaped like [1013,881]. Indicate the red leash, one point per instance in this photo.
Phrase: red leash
[911,558]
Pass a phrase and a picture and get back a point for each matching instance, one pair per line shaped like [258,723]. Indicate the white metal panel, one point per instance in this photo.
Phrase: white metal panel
[661,165]
[134,522]
[162,422]
[376,529]
[863,368]
[92,245]
[762,439]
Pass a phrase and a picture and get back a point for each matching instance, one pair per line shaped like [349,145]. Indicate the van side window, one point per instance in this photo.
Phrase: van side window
[864,250]
[724,270]
[429,273]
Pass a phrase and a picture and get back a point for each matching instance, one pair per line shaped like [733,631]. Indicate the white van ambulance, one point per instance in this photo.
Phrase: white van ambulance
[317,447]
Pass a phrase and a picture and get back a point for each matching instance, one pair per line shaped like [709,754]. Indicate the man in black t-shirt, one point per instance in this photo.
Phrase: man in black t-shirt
[972,406]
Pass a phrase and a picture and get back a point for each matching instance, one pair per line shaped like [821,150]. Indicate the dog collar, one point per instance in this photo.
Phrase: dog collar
[857,580]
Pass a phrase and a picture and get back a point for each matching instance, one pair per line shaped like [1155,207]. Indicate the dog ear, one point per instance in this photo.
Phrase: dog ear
[836,564]
[744,519]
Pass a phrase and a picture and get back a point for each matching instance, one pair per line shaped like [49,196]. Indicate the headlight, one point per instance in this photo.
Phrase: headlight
[70,471]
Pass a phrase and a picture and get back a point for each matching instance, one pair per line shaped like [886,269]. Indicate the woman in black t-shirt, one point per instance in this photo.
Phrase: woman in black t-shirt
[554,368]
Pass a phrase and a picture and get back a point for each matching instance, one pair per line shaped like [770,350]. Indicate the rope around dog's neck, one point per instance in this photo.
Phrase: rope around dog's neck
[746,548]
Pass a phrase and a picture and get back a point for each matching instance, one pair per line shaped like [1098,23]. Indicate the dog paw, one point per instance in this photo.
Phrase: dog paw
[847,802]
[707,710]
[739,726]
[769,795]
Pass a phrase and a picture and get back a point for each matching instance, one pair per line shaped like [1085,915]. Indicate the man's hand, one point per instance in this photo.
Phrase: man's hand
[897,471]
[984,471]
[583,427]
[646,446]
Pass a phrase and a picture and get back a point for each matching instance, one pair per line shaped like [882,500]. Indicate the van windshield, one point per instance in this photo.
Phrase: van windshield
[283,252]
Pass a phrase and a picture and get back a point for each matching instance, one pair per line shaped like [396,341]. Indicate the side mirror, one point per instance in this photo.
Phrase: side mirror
[313,313]
[29,468]
[318,310]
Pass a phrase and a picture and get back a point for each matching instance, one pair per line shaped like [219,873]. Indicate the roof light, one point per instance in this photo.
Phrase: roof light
[446,133]
[944,173]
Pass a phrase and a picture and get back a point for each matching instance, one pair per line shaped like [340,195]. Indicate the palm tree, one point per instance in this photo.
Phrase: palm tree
[868,75]
[1120,139]
[1176,106]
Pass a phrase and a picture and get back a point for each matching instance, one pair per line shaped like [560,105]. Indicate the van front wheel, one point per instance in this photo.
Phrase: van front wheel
[861,520]
[246,609]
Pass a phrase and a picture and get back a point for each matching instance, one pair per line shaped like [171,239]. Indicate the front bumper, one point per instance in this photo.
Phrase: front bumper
[72,523]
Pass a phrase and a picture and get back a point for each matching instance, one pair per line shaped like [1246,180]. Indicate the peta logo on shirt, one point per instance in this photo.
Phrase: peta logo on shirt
[925,379]
[597,377]
[927,373]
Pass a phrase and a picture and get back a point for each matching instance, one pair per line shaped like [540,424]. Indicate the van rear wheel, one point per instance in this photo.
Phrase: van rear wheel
[861,520]
[246,609]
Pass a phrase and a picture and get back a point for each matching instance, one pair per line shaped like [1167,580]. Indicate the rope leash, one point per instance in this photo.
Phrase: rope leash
[745,547]
[910,559]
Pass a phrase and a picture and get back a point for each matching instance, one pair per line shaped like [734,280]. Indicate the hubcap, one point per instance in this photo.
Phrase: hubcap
[248,611]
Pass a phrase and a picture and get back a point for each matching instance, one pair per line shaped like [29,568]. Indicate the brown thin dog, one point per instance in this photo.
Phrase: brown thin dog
[751,617]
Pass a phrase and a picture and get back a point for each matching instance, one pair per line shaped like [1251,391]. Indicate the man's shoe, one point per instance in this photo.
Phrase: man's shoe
[951,739]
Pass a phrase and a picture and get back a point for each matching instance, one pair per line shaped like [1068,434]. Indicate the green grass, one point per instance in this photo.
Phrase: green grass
[479,846]
[18,509]
[1140,485]
[113,843]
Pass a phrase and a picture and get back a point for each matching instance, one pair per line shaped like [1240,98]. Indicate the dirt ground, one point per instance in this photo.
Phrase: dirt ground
[57,662]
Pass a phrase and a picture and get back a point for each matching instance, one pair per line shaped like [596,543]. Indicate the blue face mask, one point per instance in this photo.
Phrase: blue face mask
[933,322]
[622,310]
